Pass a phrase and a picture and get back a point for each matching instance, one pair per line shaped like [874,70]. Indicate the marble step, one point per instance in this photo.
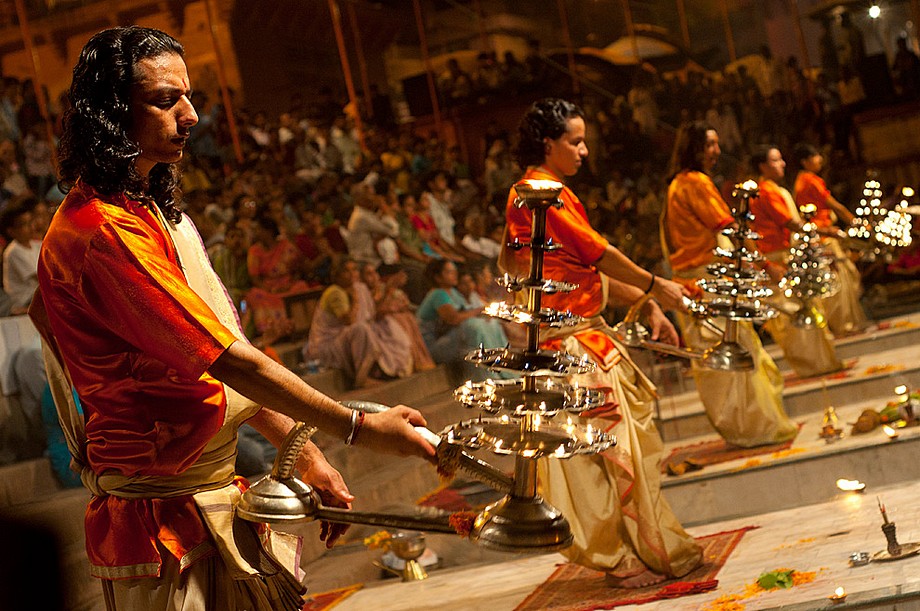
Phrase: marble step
[672,375]
[811,538]
[873,377]
[804,474]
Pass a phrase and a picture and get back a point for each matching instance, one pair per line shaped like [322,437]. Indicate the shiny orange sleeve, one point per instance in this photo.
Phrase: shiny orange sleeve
[143,297]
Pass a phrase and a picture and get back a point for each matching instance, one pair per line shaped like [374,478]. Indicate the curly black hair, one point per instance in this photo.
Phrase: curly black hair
[95,146]
[546,118]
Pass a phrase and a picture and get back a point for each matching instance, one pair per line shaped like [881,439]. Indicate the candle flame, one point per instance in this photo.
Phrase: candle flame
[850,485]
[840,592]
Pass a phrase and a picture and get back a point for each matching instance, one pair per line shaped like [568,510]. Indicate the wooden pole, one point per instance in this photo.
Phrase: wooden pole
[362,64]
[567,37]
[800,34]
[35,64]
[346,67]
[631,31]
[684,24]
[915,17]
[224,86]
[429,71]
[729,37]
[484,42]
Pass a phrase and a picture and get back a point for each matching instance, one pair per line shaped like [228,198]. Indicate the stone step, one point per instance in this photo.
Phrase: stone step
[26,481]
[672,375]
[60,513]
[873,377]
[887,334]
[804,474]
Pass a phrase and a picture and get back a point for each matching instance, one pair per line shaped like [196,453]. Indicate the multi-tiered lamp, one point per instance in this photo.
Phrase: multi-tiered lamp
[525,419]
[809,275]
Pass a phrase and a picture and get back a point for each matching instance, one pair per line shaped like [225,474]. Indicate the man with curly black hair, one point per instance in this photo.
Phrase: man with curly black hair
[137,323]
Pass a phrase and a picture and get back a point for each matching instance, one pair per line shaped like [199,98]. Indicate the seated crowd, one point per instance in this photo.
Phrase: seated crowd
[393,233]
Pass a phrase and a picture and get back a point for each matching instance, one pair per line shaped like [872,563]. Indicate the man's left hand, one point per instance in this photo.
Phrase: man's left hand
[316,471]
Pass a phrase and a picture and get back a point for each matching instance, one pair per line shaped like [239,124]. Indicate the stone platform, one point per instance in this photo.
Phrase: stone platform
[813,538]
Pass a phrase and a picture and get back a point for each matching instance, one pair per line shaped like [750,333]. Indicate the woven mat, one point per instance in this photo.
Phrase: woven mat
[718,451]
[575,588]
[327,600]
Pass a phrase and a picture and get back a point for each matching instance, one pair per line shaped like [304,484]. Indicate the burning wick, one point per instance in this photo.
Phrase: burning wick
[839,595]
[882,509]
[892,433]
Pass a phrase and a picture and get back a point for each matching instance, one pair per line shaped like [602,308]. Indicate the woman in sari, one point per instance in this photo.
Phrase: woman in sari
[273,263]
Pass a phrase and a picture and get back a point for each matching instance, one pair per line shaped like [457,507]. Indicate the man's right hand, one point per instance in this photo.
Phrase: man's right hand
[393,432]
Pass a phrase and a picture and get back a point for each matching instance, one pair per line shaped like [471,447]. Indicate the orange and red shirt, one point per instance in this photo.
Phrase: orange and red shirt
[137,342]
[771,217]
[582,247]
[695,214]
[811,189]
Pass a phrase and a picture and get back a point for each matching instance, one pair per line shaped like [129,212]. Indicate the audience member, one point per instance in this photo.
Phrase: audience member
[20,257]
[343,336]
[451,329]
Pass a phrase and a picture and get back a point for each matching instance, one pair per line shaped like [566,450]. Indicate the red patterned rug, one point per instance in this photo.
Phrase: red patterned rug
[714,452]
[327,600]
[575,588]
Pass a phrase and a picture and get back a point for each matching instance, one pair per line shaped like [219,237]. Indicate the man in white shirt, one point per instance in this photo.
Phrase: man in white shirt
[366,227]
[20,258]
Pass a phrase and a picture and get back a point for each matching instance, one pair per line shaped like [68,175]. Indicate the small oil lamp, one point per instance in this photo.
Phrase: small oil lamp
[839,595]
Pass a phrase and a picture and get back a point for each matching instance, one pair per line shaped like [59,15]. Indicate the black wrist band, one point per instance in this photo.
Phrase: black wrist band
[651,285]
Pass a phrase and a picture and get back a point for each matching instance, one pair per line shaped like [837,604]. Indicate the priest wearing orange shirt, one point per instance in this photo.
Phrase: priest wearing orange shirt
[844,312]
[136,322]
[809,350]
[745,407]
[620,520]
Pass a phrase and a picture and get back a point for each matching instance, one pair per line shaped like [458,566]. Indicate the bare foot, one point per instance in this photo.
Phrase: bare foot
[646,578]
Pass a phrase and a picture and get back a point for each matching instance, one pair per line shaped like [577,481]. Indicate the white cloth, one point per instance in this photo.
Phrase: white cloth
[365,228]
[487,247]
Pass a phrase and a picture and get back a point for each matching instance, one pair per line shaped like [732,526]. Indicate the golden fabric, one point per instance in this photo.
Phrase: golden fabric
[809,350]
[620,519]
[745,407]
[843,309]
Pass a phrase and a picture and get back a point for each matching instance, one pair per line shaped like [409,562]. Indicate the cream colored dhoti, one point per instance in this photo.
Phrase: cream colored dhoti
[745,407]
[810,349]
[620,520]
[844,312]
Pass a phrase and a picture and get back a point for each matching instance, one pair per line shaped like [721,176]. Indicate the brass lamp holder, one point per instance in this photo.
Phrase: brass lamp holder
[524,424]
